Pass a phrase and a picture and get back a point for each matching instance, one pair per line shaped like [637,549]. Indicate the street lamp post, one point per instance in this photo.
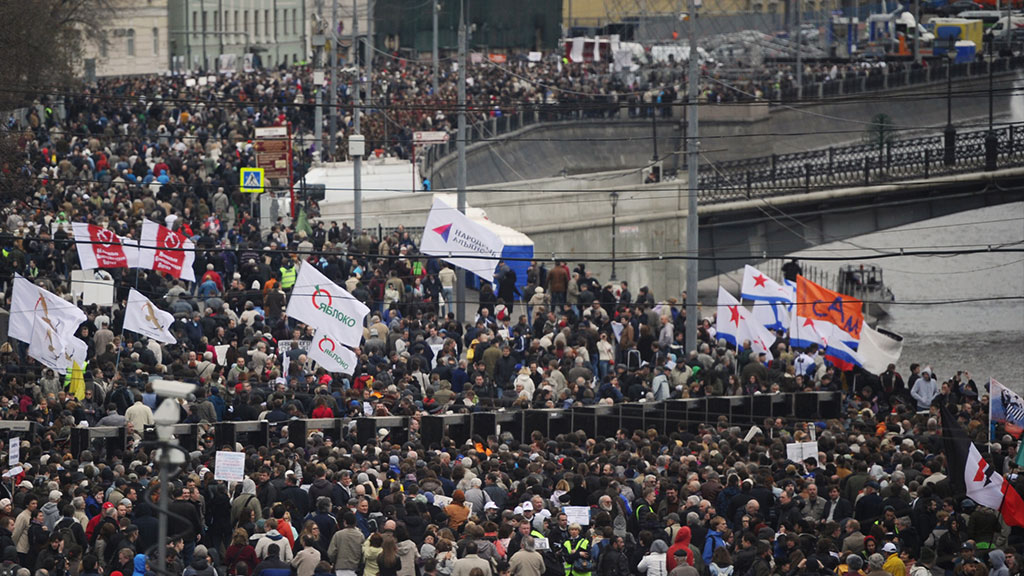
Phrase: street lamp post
[615,203]
[949,155]
[991,141]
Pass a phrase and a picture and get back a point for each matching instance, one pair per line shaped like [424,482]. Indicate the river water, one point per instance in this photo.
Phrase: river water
[983,337]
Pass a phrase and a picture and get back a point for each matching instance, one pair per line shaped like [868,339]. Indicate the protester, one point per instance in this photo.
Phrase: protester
[688,498]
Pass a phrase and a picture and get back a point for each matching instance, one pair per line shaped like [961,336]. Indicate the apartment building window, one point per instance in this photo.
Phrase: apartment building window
[204,20]
[255,22]
[195,22]
[295,22]
[130,36]
[156,41]
[266,23]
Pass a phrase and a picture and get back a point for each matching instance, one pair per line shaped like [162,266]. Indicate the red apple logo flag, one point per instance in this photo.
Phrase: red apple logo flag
[332,356]
[319,292]
[972,477]
[319,302]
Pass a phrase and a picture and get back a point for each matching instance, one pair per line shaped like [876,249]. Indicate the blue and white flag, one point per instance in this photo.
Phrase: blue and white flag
[1006,406]
[736,324]
[772,300]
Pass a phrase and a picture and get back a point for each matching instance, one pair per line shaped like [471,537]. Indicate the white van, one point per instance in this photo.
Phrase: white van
[989,17]
[999,30]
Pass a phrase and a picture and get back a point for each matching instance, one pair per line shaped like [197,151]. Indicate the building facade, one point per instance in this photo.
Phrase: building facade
[133,42]
[221,35]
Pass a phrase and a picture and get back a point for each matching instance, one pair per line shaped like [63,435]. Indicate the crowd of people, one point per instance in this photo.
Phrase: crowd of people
[708,499]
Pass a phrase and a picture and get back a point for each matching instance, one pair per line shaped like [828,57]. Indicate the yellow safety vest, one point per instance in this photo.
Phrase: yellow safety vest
[288,276]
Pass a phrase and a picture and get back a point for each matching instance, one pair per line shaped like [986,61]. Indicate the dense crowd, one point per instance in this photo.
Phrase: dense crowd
[685,501]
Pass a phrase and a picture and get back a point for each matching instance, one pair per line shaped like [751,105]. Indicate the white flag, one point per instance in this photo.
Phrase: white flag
[736,324]
[761,289]
[878,349]
[452,236]
[46,346]
[100,248]
[165,250]
[142,317]
[75,350]
[28,300]
[331,355]
[317,301]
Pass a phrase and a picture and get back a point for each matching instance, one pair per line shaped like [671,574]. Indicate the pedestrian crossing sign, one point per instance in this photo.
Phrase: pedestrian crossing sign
[252,180]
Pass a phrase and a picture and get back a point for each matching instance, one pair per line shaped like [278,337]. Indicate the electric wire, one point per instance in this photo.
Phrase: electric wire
[125,282]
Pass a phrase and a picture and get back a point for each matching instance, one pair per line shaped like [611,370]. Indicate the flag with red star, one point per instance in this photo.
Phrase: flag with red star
[736,325]
[772,301]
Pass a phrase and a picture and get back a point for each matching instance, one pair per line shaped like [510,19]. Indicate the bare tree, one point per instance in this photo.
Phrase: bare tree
[40,42]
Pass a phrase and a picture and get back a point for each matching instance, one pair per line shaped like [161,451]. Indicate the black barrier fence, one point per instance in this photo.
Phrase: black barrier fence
[594,421]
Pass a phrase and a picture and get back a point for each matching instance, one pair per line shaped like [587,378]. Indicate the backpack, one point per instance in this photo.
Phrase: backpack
[620,525]
[553,565]
[63,528]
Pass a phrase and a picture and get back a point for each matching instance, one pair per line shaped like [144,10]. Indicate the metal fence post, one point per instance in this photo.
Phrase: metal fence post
[807,177]
[831,159]
[867,170]
[927,162]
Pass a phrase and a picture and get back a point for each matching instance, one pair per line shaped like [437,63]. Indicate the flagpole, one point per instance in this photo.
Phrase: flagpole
[990,431]
[117,362]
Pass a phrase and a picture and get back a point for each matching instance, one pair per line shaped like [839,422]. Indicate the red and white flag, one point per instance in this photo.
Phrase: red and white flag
[99,247]
[971,476]
[165,250]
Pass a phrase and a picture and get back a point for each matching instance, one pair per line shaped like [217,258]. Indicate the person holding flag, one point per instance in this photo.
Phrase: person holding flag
[971,476]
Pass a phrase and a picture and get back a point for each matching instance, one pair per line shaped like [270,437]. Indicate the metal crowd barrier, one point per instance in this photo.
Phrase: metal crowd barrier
[594,421]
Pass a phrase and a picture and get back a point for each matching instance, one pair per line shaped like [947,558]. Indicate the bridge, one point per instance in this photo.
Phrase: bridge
[590,135]
[554,179]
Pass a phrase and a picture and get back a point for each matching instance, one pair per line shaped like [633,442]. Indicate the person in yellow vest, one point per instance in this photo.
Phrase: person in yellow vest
[577,556]
[288,275]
